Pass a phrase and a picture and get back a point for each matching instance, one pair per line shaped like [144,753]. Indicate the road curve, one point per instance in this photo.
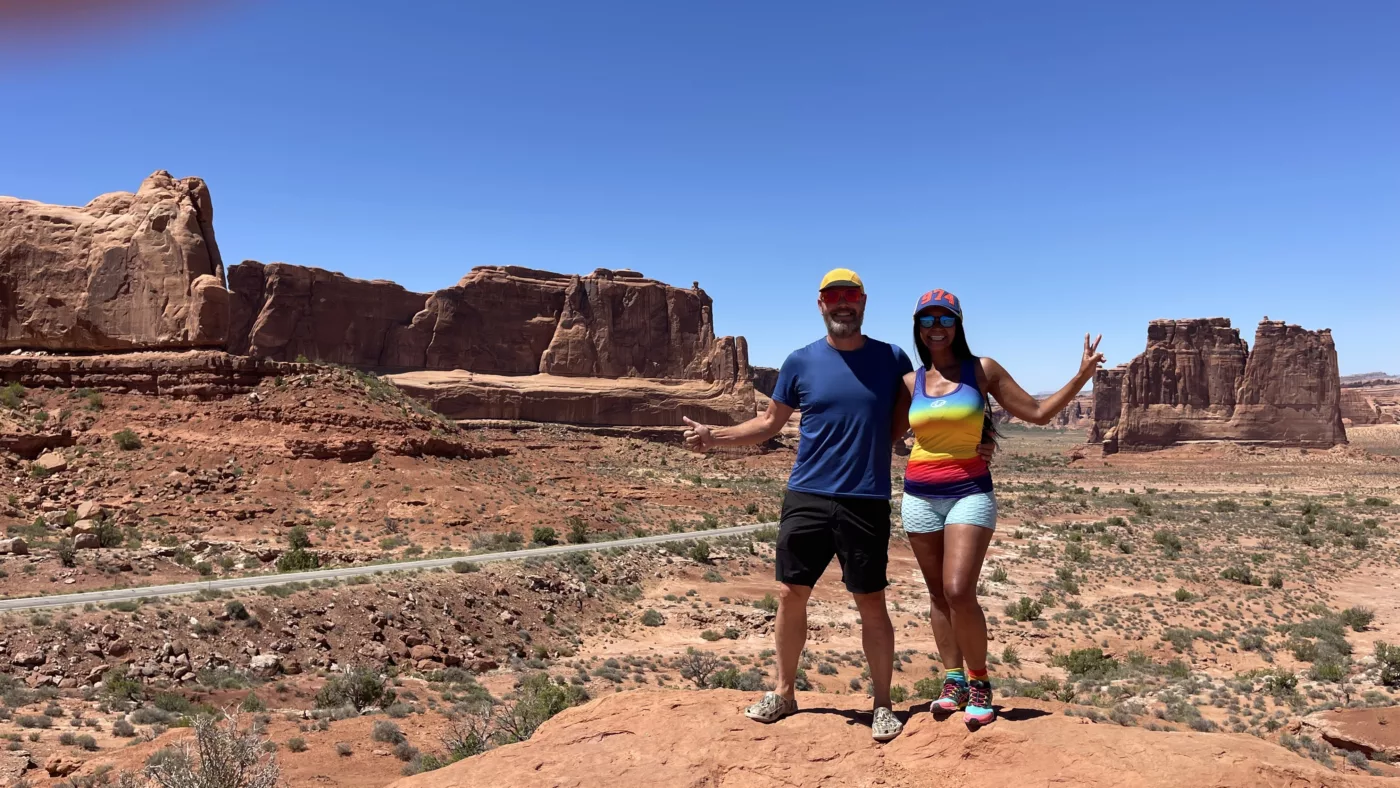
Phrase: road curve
[237,583]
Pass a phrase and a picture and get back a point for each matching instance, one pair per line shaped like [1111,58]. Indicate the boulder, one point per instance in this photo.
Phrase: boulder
[86,542]
[84,527]
[61,765]
[53,462]
[13,765]
[1197,380]
[125,272]
[27,659]
[90,510]
[13,546]
[266,665]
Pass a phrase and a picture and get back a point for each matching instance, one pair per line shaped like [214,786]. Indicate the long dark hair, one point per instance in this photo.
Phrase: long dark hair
[962,353]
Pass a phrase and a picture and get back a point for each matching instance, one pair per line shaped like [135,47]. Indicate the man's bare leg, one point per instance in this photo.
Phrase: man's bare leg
[877,636]
[791,632]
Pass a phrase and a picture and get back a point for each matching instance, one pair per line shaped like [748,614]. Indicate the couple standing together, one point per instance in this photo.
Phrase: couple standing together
[857,396]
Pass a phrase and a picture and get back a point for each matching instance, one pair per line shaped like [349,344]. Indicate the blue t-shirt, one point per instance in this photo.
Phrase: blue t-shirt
[847,403]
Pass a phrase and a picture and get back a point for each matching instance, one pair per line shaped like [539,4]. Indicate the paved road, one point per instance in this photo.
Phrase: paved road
[235,583]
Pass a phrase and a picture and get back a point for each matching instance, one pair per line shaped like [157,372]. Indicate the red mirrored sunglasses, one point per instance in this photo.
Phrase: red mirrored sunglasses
[835,295]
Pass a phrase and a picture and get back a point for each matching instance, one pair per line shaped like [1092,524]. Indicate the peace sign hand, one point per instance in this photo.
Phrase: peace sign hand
[1093,359]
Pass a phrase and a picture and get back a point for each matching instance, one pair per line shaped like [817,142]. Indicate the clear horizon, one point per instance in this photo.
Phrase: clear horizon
[1061,171]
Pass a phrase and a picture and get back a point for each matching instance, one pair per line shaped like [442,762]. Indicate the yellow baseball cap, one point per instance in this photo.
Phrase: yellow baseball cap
[841,277]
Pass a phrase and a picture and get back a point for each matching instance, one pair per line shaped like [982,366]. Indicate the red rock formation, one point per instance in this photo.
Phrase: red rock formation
[1197,380]
[497,320]
[687,739]
[125,272]
[575,400]
[764,379]
[1359,409]
[204,374]
[284,311]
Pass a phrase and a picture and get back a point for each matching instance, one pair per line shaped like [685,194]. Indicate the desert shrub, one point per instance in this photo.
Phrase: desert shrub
[1170,543]
[1276,581]
[711,635]
[296,744]
[1281,683]
[1225,506]
[297,559]
[700,552]
[236,610]
[1182,595]
[387,732]
[1328,669]
[67,553]
[711,576]
[1025,609]
[252,703]
[11,395]
[87,742]
[1010,657]
[652,618]
[545,536]
[768,602]
[1241,573]
[751,680]
[343,749]
[698,666]
[1086,663]
[578,529]
[928,688]
[1388,657]
[1358,618]
[34,721]
[898,694]
[998,575]
[123,728]
[464,567]
[127,440]
[359,687]
[537,700]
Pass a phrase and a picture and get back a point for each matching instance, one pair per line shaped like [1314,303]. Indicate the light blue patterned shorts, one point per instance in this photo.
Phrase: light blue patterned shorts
[927,515]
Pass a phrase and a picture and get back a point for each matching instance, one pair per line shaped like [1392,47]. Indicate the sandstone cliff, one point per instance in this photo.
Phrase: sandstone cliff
[764,379]
[1359,409]
[125,272]
[282,311]
[679,739]
[1197,380]
[497,321]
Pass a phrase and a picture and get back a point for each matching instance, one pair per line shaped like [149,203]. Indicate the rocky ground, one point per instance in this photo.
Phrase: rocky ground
[1218,592]
[174,489]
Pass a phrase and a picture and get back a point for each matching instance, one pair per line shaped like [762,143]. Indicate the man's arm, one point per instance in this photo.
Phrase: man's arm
[700,437]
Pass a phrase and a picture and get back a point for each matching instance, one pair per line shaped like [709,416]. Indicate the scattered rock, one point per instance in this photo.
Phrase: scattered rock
[87,542]
[53,462]
[13,546]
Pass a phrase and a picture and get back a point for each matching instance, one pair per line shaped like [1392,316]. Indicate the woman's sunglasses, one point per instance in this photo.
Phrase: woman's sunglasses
[929,321]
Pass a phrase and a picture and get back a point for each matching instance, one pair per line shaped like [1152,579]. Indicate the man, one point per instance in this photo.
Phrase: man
[847,387]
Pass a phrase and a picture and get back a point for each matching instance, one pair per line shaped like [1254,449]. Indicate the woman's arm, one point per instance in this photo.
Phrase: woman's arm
[901,409]
[1025,407]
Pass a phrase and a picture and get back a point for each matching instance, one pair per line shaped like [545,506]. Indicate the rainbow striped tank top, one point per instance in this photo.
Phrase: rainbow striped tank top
[947,429]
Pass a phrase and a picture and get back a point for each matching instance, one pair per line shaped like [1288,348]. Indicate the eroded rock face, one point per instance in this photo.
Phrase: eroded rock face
[282,311]
[764,379]
[1197,380]
[125,272]
[496,321]
[1358,409]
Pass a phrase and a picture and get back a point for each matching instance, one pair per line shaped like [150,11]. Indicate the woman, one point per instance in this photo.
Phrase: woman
[949,509]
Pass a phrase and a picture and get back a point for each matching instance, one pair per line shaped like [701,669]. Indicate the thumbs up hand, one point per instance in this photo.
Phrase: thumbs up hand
[697,436]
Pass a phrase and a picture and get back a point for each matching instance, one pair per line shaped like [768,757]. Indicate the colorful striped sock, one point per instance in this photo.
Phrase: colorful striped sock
[979,675]
[956,674]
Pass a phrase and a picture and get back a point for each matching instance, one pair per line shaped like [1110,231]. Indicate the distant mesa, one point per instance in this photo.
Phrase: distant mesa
[142,271]
[1198,381]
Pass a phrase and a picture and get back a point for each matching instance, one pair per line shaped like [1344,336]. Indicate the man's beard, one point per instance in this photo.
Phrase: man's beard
[844,330]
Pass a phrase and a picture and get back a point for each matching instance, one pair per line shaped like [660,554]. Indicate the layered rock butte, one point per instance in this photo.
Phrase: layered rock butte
[1197,380]
[124,272]
[143,272]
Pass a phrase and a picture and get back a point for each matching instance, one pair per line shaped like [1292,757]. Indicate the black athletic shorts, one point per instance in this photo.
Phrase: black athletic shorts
[816,527]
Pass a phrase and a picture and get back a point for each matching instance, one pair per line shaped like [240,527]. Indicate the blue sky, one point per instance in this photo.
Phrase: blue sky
[1063,167]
